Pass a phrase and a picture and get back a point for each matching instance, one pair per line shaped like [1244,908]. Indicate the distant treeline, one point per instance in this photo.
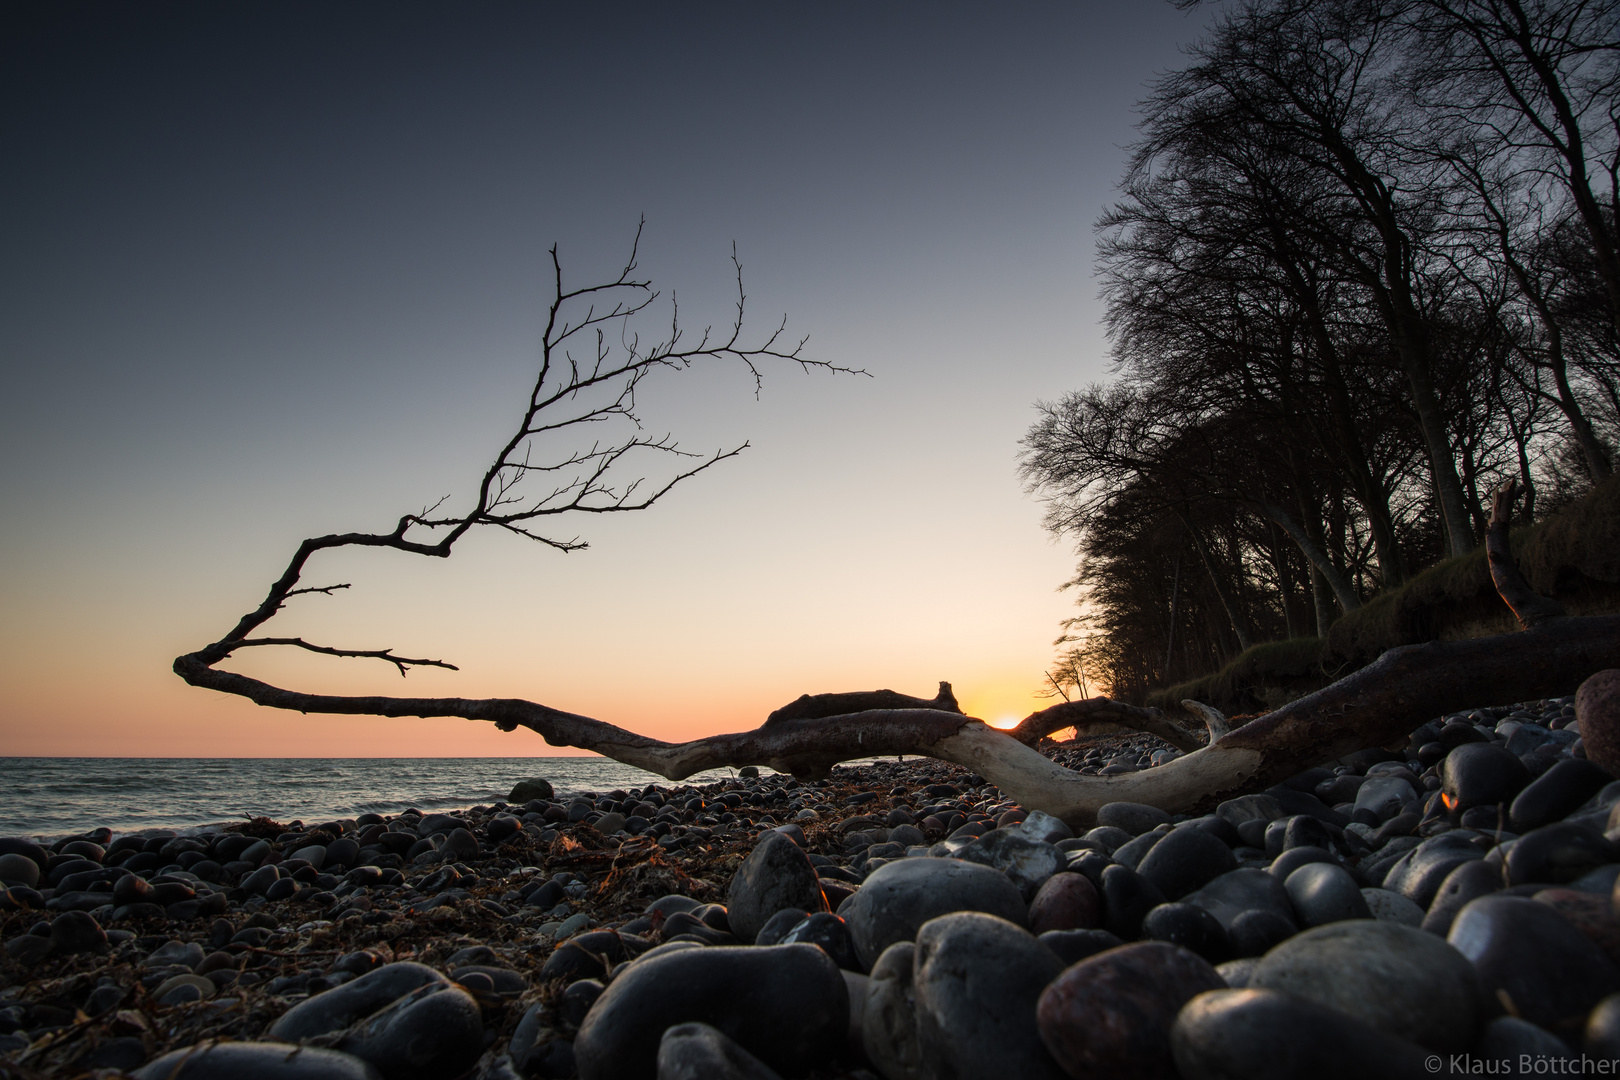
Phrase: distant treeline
[1363,271]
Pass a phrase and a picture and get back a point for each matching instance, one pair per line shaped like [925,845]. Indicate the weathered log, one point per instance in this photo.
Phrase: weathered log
[1037,726]
[808,707]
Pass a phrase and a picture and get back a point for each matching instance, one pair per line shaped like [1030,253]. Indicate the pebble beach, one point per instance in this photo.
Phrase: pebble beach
[1446,908]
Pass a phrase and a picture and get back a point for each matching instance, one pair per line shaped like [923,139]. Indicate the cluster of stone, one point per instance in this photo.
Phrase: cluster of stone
[1453,901]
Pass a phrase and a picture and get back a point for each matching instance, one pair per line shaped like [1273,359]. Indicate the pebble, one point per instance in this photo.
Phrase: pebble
[257,1061]
[1392,977]
[1597,707]
[435,1032]
[1110,1016]
[1190,927]
[1127,898]
[899,897]
[1185,860]
[1242,890]
[1261,1034]
[1555,793]
[1558,854]
[700,1052]
[1526,954]
[976,979]
[1389,906]
[889,1015]
[1068,901]
[1133,818]
[786,1004]
[776,875]
[1027,863]
[340,1007]
[1482,774]
[1324,893]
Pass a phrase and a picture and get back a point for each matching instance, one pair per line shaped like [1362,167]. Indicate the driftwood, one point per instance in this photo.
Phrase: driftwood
[1376,706]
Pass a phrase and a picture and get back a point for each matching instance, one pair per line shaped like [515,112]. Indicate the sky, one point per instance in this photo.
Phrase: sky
[270,271]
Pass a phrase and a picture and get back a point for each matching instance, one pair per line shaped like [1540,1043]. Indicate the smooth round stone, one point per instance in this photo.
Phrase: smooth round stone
[256,1061]
[1589,914]
[1134,818]
[1127,898]
[700,1052]
[435,1032]
[1555,793]
[581,956]
[1551,972]
[1601,1039]
[1482,774]
[777,874]
[976,981]
[1190,927]
[1131,854]
[1509,1039]
[1293,858]
[1246,808]
[1027,863]
[1323,893]
[1597,708]
[1073,946]
[460,845]
[1467,881]
[889,1015]
[900,896]
[1303,830]
[1419,873]
[1241,890]
[1185,860]
[314,854]
[528,790]
[1393,977]
[777,926]
[185,953]
[1261,1034]
[1558,854]
[338,1008]
[1384,796]
[1235,973]
[1255,933]
[1110,1016]
[340,853]
[829,933]
[17,845]
[1389,906]
[1111,837]
[788,1005]
[19,870]
[1067,901]
[76,932]
[201,986]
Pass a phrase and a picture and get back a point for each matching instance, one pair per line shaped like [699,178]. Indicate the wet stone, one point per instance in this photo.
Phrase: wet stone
[828,932]
[1110,1016]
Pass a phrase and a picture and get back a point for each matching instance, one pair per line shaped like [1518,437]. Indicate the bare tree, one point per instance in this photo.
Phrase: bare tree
[535,477]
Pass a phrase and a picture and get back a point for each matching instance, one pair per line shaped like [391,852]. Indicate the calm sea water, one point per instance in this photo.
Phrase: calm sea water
[52,797]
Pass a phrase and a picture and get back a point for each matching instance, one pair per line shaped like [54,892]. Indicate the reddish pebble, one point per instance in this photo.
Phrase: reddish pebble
[1597,707]
[1067,901]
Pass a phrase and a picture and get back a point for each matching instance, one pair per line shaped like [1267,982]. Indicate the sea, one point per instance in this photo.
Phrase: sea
[48,798]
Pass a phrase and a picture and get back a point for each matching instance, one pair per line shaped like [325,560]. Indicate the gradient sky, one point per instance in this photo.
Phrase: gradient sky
[276,270]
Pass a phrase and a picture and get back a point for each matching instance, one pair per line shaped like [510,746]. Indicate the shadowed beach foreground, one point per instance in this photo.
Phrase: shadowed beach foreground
[1443,909]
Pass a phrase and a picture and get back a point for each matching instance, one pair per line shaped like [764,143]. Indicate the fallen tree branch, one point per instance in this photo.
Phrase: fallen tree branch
[1037,726]
[1375,706]
[1213,718]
